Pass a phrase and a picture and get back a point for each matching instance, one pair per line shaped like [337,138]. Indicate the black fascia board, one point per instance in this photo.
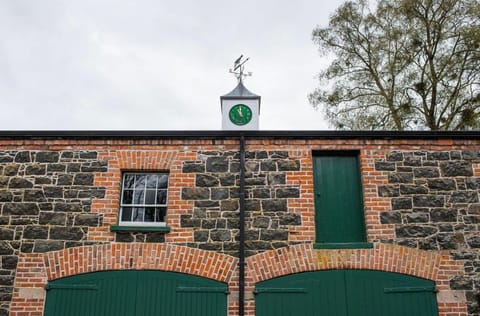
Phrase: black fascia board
[257,97]
[219,134]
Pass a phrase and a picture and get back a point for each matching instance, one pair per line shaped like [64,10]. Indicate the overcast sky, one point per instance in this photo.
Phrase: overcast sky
[155,64]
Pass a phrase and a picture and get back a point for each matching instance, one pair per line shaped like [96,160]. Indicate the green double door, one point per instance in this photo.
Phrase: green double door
[135,292]
[346,293]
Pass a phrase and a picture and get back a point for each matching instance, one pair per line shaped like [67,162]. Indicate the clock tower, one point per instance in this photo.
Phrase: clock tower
[240,107]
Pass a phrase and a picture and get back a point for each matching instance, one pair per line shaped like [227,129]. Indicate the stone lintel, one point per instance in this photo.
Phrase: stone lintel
[32,293]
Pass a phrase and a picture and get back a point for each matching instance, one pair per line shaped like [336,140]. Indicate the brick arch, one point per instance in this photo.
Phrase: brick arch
[145,160]
[139,256]
[383,257]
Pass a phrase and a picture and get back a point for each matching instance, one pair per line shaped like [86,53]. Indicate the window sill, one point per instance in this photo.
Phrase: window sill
[146,229]
[347,245]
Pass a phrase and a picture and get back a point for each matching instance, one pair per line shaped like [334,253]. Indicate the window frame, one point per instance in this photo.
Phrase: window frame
[161,206]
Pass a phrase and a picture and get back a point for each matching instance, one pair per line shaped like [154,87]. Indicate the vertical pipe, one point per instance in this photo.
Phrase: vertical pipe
[241,235]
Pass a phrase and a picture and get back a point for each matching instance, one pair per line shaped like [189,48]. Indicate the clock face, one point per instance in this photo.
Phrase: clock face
[240,114]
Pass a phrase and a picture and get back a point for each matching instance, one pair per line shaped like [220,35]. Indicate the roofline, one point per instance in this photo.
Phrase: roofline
[240,98]
[215,134]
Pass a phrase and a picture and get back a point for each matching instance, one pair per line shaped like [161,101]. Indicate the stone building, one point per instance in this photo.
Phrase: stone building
[349,223]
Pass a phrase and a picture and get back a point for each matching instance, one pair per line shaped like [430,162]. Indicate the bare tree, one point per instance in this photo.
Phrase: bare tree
[408,64]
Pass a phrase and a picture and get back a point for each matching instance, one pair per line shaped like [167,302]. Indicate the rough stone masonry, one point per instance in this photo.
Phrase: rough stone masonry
[435,206]
[45,199]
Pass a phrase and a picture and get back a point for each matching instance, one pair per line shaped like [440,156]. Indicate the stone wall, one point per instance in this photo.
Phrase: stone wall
[45,204]
[215,217]
[417,194]
[435,206]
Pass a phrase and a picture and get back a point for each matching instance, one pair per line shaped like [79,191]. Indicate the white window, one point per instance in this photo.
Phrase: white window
[144,199]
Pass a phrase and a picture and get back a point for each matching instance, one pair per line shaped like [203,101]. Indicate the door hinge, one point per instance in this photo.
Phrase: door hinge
[189,289]
[90,287]
[410,289]
[279,290]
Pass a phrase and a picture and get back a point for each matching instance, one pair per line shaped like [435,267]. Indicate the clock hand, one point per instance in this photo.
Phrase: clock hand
[239,110]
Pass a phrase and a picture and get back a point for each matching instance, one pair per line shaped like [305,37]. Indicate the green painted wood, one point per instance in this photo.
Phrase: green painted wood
[346,245]
[135,292]
[346,293]
[410,289]
[318,296]
[280,290]
[113,295]
[50,287]
[121,228]
[159,295]
[366,293]
[339,213]
[190,289]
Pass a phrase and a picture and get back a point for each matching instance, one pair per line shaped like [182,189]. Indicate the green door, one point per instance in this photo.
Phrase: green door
[338,198]
[301,294]
[135,292]
[346,293]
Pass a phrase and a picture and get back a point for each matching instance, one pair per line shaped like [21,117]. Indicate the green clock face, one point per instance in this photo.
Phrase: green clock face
[240,114]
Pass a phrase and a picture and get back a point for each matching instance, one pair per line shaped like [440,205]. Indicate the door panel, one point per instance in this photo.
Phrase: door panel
[133,292]
[302,294]
[92,294]
[384,293]
[346,293]
[338,198]
[179,294]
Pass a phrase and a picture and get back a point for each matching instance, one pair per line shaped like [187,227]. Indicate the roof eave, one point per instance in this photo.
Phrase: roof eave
[215,134]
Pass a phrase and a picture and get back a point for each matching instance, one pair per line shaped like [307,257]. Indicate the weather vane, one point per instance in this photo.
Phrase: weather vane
[239,67]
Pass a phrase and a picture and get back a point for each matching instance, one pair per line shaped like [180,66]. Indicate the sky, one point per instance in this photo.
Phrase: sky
[156,64]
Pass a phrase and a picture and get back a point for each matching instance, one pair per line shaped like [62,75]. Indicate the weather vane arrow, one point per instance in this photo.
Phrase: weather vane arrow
[239,68]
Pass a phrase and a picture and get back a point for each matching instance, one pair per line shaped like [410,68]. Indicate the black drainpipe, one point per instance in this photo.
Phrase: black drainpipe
[241,235]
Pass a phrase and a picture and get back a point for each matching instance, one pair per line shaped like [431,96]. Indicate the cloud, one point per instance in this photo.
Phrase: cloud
[154,64]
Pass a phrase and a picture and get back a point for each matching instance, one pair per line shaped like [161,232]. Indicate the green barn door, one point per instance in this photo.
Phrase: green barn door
[169,293]
[338,198]
[140,293]
[301,294]
[392,294]
[346,293]
[101,293]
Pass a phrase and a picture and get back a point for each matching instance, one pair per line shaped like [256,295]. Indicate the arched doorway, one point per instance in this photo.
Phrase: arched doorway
[346,293]
[135,292]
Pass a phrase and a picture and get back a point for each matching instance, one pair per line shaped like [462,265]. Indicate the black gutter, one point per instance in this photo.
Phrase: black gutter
[241,234]
[209,134]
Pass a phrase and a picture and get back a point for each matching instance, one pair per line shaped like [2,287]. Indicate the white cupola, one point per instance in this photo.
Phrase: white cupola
[240,107]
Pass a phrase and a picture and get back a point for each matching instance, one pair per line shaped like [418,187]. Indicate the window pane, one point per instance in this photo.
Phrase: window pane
[162,197]
[138,214]
[150,197]
[152,181]
[160,214]
[163,181]
[126,214]
[138,197]
[128,181]
[149,214]
[140,181]
[144,197]
[127,197]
